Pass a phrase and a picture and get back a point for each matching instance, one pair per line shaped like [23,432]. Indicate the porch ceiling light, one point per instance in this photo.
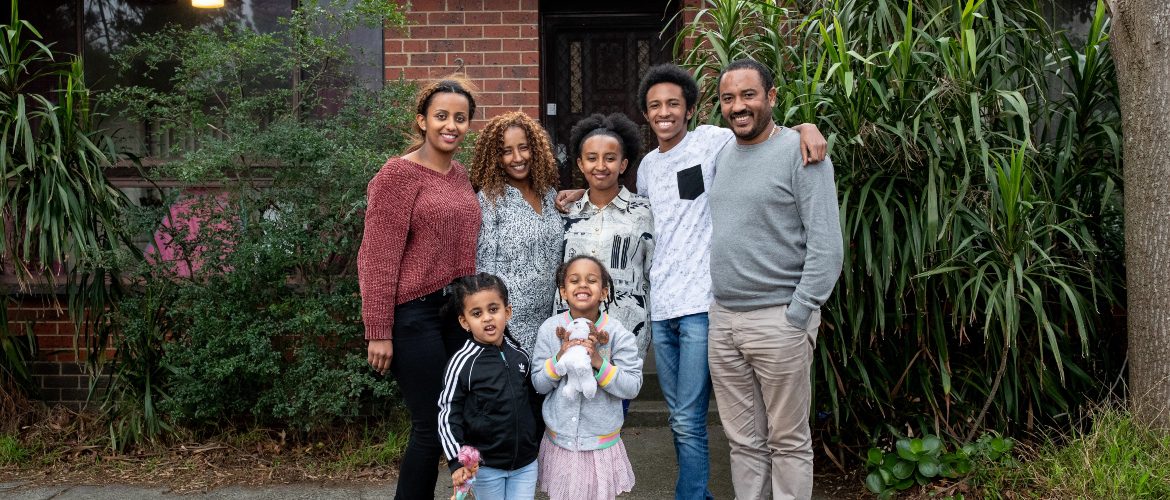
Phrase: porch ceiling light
[207,4]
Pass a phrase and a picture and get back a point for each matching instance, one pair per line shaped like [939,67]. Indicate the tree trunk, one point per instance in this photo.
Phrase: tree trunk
[1140,39]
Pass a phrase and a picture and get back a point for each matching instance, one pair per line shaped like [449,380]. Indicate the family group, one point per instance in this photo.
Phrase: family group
[480,286]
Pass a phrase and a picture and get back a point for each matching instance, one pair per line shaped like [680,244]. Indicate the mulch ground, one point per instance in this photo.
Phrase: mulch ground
[66,447]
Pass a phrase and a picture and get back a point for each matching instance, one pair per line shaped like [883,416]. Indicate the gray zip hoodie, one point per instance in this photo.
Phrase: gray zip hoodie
[582,424]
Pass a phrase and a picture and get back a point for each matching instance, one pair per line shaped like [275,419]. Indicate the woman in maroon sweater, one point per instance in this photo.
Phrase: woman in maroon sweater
[420,233]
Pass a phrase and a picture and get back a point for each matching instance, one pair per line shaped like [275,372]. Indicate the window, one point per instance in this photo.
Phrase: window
[99,28]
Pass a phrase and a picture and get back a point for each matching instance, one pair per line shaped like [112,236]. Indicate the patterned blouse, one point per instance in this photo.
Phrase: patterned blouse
[621,236]
[523,248]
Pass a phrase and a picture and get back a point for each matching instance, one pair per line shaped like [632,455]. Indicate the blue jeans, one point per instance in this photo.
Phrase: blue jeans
[499,484]
[680,355]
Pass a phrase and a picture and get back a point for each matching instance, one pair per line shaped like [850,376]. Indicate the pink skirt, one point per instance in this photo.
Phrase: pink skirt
[598,474]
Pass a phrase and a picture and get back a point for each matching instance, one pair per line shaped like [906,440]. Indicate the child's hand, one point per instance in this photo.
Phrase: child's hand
[562,333]
[594,357]
[460,476]
[566,343]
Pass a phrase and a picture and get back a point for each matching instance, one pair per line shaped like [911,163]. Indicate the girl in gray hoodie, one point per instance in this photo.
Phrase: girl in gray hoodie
[581,453]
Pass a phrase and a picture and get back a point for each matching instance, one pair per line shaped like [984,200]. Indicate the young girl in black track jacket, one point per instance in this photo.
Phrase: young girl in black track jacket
[488,401]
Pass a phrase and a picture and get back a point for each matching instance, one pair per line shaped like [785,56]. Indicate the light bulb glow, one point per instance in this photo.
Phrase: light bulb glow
[207,4]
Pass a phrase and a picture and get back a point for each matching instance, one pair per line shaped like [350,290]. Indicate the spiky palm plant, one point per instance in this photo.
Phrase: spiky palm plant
[60,223]
[979,179]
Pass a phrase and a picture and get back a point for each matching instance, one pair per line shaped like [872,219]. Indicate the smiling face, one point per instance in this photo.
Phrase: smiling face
[446,121]
[746,107]
[666,111]
[515,156]
[485,314]
[584,288]
[602,162]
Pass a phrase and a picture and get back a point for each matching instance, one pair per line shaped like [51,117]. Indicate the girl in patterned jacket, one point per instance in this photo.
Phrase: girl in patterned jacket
[610,223]
[581,453]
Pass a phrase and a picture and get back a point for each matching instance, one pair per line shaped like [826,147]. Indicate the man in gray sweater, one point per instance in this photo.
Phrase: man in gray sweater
[776,252]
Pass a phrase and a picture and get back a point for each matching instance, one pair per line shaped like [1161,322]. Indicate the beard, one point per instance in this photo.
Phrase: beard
[759,124]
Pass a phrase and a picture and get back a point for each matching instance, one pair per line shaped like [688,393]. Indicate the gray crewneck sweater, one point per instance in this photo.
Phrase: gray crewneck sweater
[777,228]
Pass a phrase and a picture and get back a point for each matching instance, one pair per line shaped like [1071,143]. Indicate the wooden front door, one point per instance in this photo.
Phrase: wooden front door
[592,62]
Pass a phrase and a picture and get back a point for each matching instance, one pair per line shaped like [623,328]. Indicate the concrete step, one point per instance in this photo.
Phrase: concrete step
[651,413]
[651,390]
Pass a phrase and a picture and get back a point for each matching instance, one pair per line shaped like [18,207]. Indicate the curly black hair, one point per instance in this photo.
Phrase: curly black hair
[752,64]
[606,279]
[669,73]
[486,173]
[467,286]
[616,125]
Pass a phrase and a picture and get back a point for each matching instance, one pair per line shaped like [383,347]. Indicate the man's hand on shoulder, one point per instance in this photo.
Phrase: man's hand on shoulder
[812,144]
[566,198]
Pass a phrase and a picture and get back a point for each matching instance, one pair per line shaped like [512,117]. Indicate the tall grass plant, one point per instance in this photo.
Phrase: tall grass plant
[1112,456]
[61,230]
[978,166]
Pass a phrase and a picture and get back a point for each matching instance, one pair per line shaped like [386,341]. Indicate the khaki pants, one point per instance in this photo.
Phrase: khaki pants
[760,369]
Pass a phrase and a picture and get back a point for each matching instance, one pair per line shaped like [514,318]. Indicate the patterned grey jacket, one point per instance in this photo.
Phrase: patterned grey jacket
[621,236]
[523,248]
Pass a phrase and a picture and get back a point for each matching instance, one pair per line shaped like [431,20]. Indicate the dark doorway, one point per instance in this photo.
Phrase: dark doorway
[593,55]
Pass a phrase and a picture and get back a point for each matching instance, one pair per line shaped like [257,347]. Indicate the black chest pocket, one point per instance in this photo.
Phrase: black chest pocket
[690,183]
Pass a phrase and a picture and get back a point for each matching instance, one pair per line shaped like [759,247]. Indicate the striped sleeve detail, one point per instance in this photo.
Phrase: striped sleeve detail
[607,440]
[602,321]
[550,368]
[447,437]
[606,373]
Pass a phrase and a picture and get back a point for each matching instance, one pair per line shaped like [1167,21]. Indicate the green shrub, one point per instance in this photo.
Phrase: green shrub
[257,318]
[131,405]
[978,168]
[920,461]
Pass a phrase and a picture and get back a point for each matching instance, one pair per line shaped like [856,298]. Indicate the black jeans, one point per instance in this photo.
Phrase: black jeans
[423,341]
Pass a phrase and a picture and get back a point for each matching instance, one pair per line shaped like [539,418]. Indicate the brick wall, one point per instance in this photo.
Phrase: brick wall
[690,7]
[497,40]
[58,370]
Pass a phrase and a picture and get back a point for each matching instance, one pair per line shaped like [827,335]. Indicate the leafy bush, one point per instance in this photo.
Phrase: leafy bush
[131,405]
[254,299]
[978,169]
[919,461]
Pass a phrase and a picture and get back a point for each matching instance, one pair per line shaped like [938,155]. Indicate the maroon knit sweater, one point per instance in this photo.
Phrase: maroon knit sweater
[420,233]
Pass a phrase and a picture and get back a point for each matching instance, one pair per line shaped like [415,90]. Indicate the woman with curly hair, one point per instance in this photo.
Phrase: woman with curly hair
[520,239]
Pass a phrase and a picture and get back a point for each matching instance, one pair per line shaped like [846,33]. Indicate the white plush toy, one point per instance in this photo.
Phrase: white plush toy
[576,361]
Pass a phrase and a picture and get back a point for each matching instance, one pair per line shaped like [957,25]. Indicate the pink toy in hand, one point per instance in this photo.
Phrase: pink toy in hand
[469,457]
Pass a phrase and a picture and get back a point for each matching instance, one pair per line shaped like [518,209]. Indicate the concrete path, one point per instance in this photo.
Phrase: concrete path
[651,451]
